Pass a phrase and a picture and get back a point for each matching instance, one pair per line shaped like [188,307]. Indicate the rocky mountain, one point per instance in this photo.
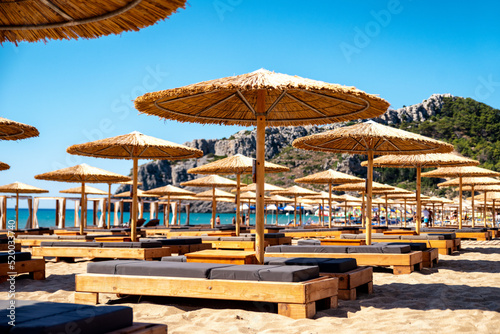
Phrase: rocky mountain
[278,150]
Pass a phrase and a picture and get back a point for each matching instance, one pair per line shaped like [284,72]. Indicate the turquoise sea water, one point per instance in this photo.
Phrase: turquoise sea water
[47,217]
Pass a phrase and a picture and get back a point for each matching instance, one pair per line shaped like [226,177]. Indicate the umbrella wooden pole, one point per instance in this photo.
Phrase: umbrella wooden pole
[460,202]
[167,217]
[322,212]
[188,209]
[329,205]
[17,210]
[214,208]
[484,219]
[386,211]
[472,194]
[84,209]
[345,213]
[405,212]
[363,208]
[493,212]
[419,204]
[369,181]
[433,213]
[295,212]
[133,233]
[259,207]
[300,213]
[109,206]
[238,181]
[276,213]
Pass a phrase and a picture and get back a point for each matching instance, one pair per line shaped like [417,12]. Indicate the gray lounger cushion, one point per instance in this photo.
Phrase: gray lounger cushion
[308,242]
[306,249]
[18,256]
[325,265]
[266,273]
[178,258]
[210,238]
[139,244]
[70,244]
[266,235]
[414,246]
[384,248]
[237,238]
[48,317]
[101,244]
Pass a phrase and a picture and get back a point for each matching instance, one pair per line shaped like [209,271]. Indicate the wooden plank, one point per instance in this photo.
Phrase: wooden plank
[23,267]
[93,252]
[297,311]
[5,247]
[273,292]
[87,298]
[353,278]
[113,239]
[479,236]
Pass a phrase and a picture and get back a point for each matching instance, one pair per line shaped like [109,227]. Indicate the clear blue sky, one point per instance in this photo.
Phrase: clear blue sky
[79,91]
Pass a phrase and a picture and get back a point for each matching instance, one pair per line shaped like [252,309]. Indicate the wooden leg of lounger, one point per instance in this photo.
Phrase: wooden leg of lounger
[327,303]
[89,298]
[402,270]
[38,275]
[348,294]
[297,311]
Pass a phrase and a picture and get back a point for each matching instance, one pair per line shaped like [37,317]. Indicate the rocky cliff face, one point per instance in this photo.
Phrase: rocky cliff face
[161,172]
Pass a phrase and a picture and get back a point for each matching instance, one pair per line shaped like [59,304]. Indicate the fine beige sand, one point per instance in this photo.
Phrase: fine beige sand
[461,295]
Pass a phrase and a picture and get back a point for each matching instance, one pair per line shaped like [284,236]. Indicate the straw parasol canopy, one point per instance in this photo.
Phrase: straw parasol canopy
[267,187]
[371,138]
[33,21]
[140,193]
[212,181]
[82,174]
[4,166]
[11,130]
[420,161]
[262,98]
[168,191]
[135,146]
[460,172]
[20,188]
[88,191]
[329,177]
[237,164]
[324,196]
[130,182]
[295,191]
[218,194]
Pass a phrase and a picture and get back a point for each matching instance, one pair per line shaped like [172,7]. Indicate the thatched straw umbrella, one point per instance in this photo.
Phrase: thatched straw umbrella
[140,194]
[34,21]
[276,199]
[168,191]
[386,192]
[491,193]
[212,181]
[11,130]
[88,191]
[4,166]
[329,177]
[472,182]
[20,188]
[348,200]
[82,174]
[215,195]
[237,164]
[262,98]
[420,161]
[371,138]
[361,187]
[407,196]
[253,187]
[325,196]
[135,146]
[295,191]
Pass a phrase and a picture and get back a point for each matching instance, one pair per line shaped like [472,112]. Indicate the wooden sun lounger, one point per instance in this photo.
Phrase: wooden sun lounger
[353,282]
[295,300]
[5,247]
[479,236]
[400,263]
[34,241]
[34,267]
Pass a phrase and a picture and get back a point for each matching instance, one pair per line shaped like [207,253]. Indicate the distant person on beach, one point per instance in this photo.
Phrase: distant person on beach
[217,220]
[234,221]
[426,214]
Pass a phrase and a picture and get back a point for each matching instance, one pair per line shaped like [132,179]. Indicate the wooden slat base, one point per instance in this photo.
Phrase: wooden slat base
[223,256]
[401,263]
[35,267]
[351,282]
[479,236]
[296,299]
[430,258]
[93,252]
[5,247]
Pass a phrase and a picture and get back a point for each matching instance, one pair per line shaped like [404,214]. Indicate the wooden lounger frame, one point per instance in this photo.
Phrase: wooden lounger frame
[400,263]
[353,282]
[94,252]
[184,249]
[295,300]
[5,247]
[234,244]
[479,236]
[35,267]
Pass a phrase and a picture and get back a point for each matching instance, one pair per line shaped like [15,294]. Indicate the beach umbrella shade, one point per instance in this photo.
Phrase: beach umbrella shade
[11,130]
[20,188]
[4,166]
[329,177]
[262,98]
[216,195]
[460,172]
[419,161]
[325,196]
[33,20]
[168,191]
[237,164]
[135,146]
[491,193]
[371,138]
[82,174]
[253,187]
[130,183]
[211,181]
[88,191]
[472,182]
[295,191]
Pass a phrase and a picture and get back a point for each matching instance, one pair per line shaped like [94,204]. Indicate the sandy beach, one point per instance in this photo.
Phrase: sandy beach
[461,295]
